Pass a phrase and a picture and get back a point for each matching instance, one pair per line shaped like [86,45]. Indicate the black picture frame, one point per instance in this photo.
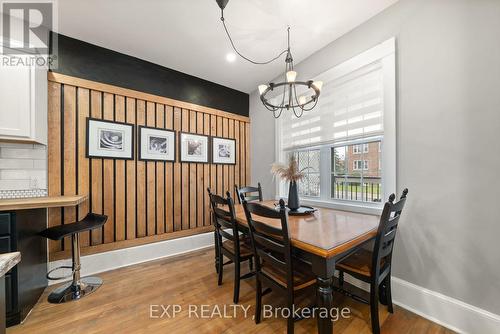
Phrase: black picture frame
[139,135]
[180,133]
[87,139]
[213,151]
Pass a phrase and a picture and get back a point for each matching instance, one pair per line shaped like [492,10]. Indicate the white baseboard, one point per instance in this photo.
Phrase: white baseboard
[446,311]
[443,310]
[97,263]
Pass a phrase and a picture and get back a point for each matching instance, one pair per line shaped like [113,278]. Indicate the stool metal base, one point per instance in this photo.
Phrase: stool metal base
[68,292]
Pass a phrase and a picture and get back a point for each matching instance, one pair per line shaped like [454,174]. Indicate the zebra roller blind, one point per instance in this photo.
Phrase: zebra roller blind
[350,108]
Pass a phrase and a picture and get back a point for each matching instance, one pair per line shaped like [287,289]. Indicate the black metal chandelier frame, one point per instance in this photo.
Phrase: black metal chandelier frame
[289,100]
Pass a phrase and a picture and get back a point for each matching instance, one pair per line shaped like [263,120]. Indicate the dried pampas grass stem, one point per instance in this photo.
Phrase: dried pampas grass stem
[289,172]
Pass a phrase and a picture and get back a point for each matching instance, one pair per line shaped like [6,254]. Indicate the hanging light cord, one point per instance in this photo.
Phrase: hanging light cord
[248,59]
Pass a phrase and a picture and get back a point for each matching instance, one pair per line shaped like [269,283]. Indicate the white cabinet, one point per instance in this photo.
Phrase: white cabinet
[23,103]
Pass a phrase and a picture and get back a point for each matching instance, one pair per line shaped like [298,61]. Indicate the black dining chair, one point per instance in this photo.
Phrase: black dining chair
[373,266]
[274,262]
[248,193]
[234,246]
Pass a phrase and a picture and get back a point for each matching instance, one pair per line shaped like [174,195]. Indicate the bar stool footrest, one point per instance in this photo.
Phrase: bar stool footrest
[55,278]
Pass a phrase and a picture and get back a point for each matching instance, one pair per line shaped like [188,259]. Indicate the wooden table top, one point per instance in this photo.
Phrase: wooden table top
[327,232]
[40,202]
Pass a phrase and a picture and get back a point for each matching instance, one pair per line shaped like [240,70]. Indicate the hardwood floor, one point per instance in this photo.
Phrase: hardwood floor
[122,305]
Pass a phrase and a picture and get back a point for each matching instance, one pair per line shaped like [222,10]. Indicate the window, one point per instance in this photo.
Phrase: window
[308,162]
[340,141]
[353,179]
[360,165]
[358,149]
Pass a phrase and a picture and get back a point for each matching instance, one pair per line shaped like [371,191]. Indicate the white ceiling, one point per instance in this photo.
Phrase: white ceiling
[187,35]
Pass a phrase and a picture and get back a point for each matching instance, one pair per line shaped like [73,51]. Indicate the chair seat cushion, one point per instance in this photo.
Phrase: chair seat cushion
[359,262]
[302,274]
[90,222]
[245,250]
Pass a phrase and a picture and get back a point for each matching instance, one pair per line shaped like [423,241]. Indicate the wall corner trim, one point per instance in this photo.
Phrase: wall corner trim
[444,310]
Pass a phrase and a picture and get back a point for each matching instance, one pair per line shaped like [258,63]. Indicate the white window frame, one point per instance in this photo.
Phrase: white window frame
[385,53]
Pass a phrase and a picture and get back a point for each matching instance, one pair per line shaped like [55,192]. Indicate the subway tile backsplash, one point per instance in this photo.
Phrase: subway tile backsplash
[23,170]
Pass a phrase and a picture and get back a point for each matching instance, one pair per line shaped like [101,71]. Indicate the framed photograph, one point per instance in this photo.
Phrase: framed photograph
[156,144]
[193,147]
[223,151]
[107,139]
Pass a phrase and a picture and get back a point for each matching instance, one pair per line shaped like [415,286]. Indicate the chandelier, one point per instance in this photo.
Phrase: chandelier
[297,96]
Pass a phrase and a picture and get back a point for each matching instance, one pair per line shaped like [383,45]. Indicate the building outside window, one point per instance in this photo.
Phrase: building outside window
[360,165]
[358,149]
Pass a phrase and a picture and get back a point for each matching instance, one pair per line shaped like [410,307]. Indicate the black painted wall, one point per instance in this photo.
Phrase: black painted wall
[91,62]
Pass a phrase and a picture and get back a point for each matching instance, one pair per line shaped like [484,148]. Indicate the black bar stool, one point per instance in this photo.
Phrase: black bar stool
[78,287]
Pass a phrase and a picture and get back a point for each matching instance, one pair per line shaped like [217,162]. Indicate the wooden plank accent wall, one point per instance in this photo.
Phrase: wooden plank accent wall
[145,201]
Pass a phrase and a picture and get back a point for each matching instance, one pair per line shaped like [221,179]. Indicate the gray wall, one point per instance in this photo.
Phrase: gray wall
[448,73]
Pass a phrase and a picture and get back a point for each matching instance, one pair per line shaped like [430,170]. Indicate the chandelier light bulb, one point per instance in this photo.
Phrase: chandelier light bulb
[290,76]
[318,84]
[262,89]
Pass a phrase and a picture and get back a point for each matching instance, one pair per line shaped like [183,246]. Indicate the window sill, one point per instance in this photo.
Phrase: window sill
[371,209]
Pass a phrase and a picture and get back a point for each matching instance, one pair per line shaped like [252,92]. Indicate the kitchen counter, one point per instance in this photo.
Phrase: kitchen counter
[8,261]
[21,222]
[40,202]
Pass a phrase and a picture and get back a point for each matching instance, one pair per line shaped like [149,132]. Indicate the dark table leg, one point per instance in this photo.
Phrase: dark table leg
[324,270]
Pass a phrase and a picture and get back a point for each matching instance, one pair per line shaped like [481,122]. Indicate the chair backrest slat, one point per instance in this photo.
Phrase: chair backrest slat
[221,212]
[224,218]
[267,229]
[247,193]
[386,250]
[224,234]
[270,243]
[398,207]
[388,236]
[386,233]
[223,223]
[271,258]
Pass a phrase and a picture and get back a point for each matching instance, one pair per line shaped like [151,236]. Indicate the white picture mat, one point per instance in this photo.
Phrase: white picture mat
[144,142]
[215,149]
[184,139]
[94,130]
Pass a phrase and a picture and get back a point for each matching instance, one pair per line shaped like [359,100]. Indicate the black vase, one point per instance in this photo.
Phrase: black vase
[293,196]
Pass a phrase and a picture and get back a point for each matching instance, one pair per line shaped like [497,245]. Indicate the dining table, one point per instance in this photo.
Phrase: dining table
[322,238]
